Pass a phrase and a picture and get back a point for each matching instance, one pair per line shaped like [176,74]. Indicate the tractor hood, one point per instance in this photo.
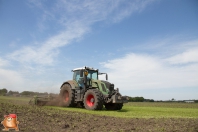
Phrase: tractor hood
[101,85]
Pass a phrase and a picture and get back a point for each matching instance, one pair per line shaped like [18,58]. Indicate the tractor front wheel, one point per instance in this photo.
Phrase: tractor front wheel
[93,100]
[113,106]
[67,96]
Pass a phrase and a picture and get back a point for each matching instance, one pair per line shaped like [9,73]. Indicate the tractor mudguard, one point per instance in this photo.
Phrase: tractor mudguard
[72,83]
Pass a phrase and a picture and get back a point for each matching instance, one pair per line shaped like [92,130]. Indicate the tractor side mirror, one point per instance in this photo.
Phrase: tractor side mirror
[81,73]
[106,76]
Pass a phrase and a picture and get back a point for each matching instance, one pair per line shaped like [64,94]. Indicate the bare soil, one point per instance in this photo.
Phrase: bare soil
[38,118]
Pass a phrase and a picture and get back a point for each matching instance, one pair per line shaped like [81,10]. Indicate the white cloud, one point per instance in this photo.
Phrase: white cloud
[141,71]
[92,10]
[130,7]
[49,49]
[189,56]
[27,78]
[76,18]
[3,62]
[9,78]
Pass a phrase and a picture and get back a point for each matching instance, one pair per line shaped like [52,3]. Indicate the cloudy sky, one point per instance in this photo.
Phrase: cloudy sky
[148,48]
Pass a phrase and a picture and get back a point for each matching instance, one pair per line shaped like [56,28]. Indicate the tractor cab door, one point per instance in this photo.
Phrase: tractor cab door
[79,78]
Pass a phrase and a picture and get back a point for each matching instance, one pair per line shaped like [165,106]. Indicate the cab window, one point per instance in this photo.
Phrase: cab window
[76,75]
[92,75]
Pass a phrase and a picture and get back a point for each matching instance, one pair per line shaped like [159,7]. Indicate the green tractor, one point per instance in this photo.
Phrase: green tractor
[88,91]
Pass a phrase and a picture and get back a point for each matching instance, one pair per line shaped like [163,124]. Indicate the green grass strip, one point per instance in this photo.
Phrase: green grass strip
[140,112]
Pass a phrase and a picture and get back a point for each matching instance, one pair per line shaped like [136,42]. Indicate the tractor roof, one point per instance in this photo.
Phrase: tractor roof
[86,67]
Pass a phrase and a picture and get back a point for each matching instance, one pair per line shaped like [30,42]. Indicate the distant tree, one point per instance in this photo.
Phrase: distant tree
[27,93]
[31,93]
[151,100]
[136,99]
[12,92]
[3,91]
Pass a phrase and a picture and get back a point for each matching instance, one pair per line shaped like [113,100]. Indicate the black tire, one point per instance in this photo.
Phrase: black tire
[113,106]
[119,106]
[93,100]
[67,96]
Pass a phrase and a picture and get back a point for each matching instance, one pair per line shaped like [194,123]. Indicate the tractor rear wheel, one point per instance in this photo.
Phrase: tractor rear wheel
[93,100]
[113,106]
[67,96]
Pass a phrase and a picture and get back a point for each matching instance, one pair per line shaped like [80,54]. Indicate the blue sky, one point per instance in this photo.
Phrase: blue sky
[149,48]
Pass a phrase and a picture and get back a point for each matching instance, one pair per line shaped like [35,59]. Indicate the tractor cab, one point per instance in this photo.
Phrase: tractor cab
[87,77]
[84,76]
[78,75]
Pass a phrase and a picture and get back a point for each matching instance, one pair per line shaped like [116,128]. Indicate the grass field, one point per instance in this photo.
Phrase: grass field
[10,98]
[141,117]
[146,110]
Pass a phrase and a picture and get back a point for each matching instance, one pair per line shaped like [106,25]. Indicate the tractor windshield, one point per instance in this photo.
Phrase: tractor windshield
[92,74]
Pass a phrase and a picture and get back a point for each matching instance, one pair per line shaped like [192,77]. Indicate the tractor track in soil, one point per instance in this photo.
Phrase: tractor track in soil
[35,118]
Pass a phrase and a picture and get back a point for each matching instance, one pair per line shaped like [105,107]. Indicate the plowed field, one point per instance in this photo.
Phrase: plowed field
[53,119]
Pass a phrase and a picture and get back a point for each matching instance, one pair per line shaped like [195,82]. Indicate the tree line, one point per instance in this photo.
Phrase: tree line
[139,99]
[5,92]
